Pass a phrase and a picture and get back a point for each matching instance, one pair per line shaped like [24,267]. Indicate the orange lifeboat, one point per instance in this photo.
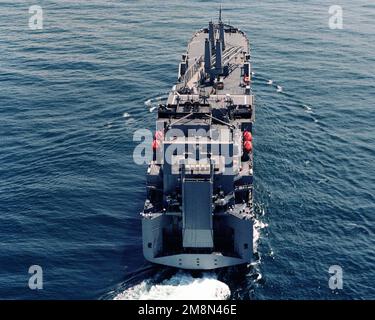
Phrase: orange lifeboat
[248,146]
[247,136]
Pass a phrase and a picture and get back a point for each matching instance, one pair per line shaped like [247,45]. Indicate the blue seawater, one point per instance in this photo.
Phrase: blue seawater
[72,95]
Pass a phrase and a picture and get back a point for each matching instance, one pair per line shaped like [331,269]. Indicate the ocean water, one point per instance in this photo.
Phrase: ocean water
[72,95]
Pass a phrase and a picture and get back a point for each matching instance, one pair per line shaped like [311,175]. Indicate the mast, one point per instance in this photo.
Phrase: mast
[221,29]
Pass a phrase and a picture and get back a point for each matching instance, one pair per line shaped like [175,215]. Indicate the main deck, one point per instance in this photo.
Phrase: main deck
[232,78]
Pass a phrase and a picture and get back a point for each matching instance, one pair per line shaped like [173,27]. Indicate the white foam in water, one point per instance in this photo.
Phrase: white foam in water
[153,103]
[307,108]
[148,102]
[126,115]
[257,227]
[181,286]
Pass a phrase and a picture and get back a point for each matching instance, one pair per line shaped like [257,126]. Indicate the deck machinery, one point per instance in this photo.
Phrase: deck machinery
[199,208]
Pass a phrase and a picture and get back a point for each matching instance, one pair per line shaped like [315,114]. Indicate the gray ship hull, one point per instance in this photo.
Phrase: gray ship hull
[152,229]
[199,209]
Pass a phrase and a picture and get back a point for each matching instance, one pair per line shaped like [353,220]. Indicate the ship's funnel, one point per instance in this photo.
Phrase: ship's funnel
[211,35]
[219,57]
[207,56]
[222,35]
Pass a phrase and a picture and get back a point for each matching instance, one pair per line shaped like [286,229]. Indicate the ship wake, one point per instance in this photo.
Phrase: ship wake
[153,103]
[181,286]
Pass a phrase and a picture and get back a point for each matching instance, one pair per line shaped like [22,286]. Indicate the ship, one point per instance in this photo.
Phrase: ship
[199,212]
